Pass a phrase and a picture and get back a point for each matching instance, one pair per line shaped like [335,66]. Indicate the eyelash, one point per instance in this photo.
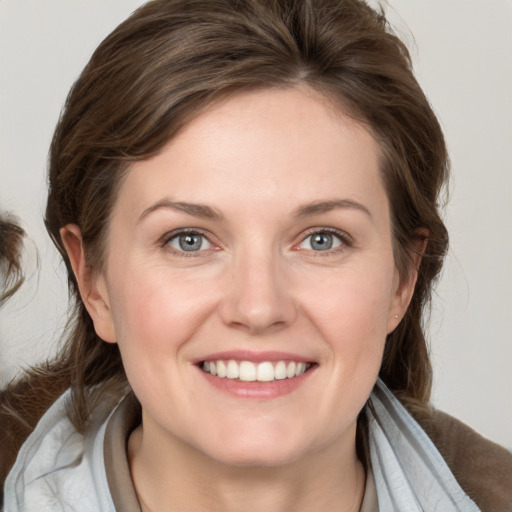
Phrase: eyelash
[345,239]
[169,237]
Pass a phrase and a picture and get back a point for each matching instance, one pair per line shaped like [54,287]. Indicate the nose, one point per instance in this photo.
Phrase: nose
[258,296]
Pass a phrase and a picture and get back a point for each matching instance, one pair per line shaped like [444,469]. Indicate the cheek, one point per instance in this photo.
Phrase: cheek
[352,313]
[153,320]
[354,305]
[156,313]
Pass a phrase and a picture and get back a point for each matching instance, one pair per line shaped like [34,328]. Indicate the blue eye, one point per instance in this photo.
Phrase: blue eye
[321,241]
[189,242]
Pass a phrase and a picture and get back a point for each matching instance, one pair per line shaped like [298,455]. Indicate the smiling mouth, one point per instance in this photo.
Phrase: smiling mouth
[247,371]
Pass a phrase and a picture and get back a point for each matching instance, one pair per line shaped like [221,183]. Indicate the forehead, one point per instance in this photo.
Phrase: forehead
[273,146]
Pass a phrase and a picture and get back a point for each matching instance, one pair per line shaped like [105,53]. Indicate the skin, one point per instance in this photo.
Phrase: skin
[256,159]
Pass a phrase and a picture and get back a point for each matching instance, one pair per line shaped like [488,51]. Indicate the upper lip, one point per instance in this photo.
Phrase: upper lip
[256,357]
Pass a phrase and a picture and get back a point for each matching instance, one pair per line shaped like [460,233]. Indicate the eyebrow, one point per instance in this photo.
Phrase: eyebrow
[318,207]
[207,212]
[196,210]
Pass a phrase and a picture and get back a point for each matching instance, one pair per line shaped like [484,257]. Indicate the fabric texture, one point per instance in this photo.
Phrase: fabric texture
[483,468]
[59,469]
[410,473]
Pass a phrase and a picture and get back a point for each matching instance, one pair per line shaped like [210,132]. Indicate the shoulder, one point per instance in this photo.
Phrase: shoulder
[482,468]
[58,467]
[22,404]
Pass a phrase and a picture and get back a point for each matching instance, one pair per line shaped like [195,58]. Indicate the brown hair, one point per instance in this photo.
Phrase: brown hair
[168,62]
[11,244]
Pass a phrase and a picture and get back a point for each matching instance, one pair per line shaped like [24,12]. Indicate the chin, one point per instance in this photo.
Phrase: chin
[260,449]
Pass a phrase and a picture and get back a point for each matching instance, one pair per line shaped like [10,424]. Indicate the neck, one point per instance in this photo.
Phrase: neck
[327,480]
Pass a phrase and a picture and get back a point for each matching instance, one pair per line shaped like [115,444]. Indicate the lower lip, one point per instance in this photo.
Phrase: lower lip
[255,389]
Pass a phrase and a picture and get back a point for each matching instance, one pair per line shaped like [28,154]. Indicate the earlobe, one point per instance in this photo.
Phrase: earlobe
[403,292]
[92,285]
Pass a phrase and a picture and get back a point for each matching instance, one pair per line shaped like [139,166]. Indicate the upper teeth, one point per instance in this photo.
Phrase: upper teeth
[249,371]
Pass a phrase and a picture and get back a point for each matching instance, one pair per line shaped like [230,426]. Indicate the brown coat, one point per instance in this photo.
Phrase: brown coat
[482,468]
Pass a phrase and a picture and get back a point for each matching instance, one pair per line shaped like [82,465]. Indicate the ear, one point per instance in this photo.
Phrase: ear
[403,289]
[91,284]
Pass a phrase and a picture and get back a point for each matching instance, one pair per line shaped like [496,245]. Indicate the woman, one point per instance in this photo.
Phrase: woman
[245,196]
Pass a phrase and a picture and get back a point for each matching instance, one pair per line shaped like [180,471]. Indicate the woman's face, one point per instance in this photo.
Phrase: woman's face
[256,245]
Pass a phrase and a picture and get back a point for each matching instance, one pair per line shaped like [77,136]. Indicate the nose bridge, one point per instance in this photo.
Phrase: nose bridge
[258,298]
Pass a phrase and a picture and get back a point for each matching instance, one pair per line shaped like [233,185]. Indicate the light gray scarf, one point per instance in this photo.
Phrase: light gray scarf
[410,473]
